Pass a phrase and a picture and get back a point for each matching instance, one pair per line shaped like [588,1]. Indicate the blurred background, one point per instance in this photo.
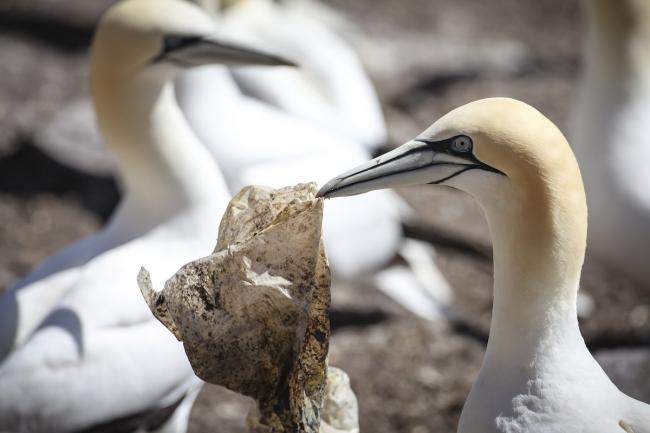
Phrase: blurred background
[425,57]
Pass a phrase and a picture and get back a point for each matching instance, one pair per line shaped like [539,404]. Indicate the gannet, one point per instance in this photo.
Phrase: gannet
[78,346]
[610,136]
[331,88]
[285,148]
[537,374]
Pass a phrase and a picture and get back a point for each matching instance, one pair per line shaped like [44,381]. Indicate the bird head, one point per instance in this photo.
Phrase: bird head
[481,148]
[507,155]
[161,37]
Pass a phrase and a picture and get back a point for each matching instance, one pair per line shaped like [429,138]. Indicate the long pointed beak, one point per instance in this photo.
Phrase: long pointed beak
[190,51]
[414,163]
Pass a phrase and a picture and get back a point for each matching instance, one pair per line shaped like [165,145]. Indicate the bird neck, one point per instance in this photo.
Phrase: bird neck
[539,239]
[164,167]
[616,46]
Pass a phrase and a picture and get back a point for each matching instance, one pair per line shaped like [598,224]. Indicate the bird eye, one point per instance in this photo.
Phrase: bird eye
[461,144]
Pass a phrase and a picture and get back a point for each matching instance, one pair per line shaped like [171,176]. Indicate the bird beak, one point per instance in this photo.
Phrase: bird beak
[414,163]
[191,51]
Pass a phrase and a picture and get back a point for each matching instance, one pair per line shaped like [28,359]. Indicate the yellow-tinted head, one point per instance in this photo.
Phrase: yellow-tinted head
[139,36]
[492,140]
[511,137]
[506,154]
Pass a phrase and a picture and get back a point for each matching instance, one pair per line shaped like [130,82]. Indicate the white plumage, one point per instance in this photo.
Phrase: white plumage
[78,345]
[330,88]
[537,374]
[310,123]
[610,134]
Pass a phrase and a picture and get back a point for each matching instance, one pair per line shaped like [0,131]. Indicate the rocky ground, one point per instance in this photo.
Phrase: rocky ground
[426,57]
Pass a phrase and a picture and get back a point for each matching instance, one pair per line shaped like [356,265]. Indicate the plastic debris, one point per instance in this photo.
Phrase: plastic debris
[253,316]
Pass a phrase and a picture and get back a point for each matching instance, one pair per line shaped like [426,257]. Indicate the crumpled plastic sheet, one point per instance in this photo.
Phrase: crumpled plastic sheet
[253,316]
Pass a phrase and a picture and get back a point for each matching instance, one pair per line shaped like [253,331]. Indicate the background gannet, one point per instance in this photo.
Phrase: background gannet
[610,135]
[537,374]
[293,142]
[330,89]
[78,346]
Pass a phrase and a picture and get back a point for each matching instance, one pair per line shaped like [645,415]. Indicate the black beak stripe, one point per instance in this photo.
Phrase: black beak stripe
[466,167]
[172,43]
[407,161]
[441,146]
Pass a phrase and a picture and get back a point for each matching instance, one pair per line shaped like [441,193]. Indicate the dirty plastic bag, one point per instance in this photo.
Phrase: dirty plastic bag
[253,316]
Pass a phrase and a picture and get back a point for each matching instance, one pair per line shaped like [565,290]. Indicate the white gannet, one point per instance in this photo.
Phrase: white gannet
[342,98]
[331,87]
[282,150]
[610,135]
[78,346]
[286,148]
[537,374]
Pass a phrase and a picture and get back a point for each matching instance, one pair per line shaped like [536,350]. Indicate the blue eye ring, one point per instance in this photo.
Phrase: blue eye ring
[461,144]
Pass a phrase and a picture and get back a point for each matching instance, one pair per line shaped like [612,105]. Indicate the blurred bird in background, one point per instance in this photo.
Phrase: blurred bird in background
[610,135]
[78,346]
[310,122]
[330,89]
